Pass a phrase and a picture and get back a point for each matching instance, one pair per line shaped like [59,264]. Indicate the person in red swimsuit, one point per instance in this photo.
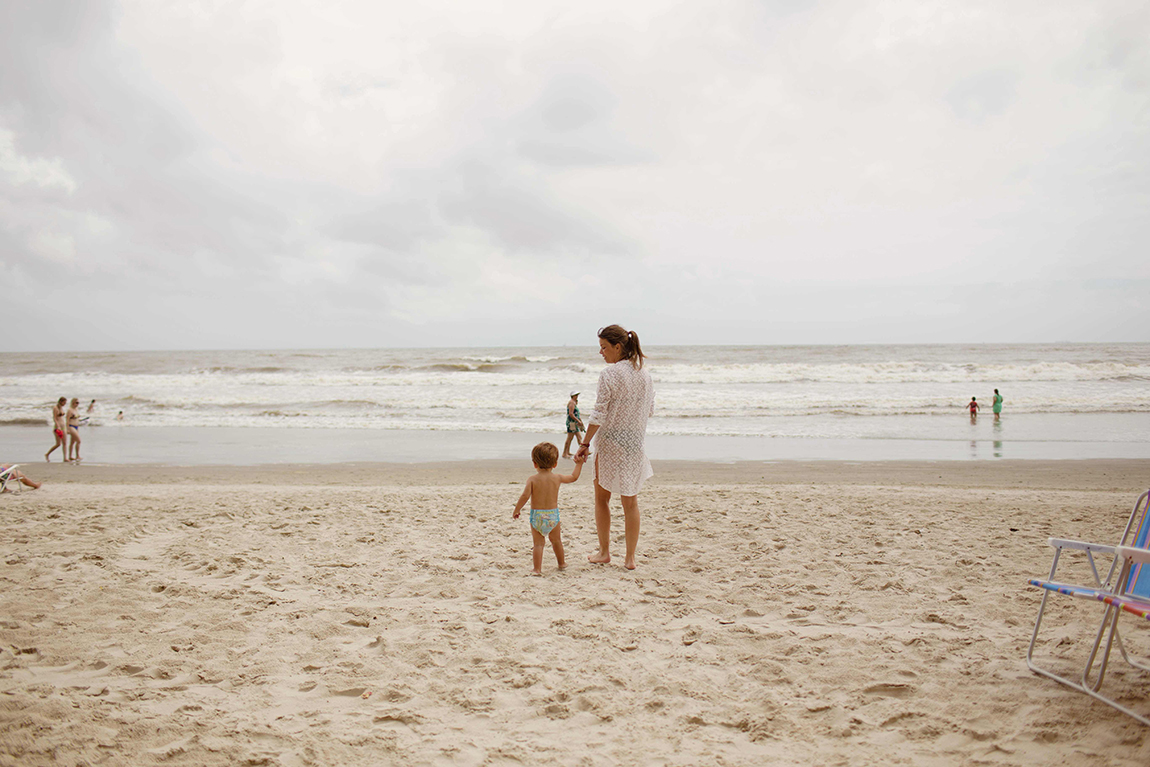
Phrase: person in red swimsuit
[973,409]
[58,428]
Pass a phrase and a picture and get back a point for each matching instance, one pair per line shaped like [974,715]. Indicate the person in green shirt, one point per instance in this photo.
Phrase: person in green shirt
[997,406]
[575,425]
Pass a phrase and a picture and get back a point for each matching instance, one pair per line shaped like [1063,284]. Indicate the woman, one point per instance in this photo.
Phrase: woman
[575,425]
[624,401]
[58,430]
[74,430]
[17,476]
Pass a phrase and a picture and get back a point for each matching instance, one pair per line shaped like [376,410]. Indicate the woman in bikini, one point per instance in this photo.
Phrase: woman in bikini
[74,431]
[58,428]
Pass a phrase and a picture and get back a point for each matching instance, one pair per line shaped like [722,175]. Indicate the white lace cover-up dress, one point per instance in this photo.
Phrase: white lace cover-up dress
[624,401]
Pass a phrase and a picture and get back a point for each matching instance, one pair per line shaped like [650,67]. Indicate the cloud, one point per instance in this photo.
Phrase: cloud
[248,174]
[983,95]
[19,170]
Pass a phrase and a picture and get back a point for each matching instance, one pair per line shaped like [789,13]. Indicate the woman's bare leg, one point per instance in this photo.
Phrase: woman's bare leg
[567,444]
[602,523]
[631,523]
[60,442]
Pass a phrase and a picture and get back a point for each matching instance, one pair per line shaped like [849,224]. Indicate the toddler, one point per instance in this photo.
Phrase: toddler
[543,491]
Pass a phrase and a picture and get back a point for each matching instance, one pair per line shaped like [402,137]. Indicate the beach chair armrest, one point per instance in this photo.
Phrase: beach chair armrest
[1139,556]
[1063,543]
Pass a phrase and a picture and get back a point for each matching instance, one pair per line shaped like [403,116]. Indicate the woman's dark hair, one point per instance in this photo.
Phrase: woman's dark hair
[628,339]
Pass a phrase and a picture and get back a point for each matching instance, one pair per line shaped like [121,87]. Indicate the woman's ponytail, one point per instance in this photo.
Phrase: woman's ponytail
[628,340]
[636,352]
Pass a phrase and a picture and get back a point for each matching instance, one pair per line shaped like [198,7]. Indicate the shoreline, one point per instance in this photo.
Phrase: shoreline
[1070,474]
[214,446]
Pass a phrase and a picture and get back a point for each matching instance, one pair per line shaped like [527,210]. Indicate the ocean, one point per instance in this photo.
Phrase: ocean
[712,402]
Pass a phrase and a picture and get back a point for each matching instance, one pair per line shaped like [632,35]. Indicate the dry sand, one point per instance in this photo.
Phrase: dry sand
[854,614]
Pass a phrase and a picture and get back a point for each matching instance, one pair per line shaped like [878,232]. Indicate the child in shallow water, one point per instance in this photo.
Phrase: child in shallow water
[543,491]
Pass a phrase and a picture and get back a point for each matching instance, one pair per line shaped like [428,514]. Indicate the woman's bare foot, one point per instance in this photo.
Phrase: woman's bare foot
[629,564]
[536,572]
[599,559]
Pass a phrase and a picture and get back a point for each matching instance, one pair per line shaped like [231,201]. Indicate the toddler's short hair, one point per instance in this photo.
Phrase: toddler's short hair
[545,455]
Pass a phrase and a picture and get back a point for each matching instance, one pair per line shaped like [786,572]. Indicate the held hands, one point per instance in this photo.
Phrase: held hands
[582,454]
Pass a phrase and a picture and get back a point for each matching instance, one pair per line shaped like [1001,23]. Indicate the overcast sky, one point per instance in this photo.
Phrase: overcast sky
[368,173]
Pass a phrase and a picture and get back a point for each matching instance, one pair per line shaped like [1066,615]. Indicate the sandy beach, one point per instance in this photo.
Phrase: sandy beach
[364,614]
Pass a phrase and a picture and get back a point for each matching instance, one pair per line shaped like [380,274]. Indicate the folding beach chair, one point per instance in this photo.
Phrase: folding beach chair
[1126,588]
[7,476]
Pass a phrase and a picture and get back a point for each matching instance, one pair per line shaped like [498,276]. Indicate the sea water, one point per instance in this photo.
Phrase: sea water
[712,402]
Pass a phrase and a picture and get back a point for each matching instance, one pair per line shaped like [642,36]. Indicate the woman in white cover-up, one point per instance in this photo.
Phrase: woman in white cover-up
[624,400]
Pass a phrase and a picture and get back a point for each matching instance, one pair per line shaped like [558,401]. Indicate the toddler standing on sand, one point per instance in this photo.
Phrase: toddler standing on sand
[543,491]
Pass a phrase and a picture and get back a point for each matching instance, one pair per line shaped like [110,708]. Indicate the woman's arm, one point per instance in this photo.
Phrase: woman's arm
[598,414]
[585,446]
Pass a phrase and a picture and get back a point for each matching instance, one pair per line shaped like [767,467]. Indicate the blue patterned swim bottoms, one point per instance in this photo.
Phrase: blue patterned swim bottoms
[544,520]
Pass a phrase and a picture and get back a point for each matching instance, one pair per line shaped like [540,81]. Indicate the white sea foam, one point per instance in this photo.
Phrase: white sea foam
[737,391]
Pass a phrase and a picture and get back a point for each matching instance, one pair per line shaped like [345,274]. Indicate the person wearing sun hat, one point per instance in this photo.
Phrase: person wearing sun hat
[575,425]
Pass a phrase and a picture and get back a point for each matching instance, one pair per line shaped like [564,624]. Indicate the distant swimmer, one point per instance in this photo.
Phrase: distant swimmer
[997,406]
[973,409]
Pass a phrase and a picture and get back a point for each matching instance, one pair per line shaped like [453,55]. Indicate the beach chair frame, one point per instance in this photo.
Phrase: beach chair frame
[9,475]
[1113,592]
[1133,559]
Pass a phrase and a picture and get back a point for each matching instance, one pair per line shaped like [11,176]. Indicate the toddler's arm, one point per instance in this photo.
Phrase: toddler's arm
[566,478]
[526,496]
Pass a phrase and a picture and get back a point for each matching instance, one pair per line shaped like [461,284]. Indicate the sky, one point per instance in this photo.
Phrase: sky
[369,173]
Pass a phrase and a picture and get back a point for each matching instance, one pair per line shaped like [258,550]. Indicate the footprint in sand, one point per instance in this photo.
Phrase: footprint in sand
[351,692]
[890,689]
